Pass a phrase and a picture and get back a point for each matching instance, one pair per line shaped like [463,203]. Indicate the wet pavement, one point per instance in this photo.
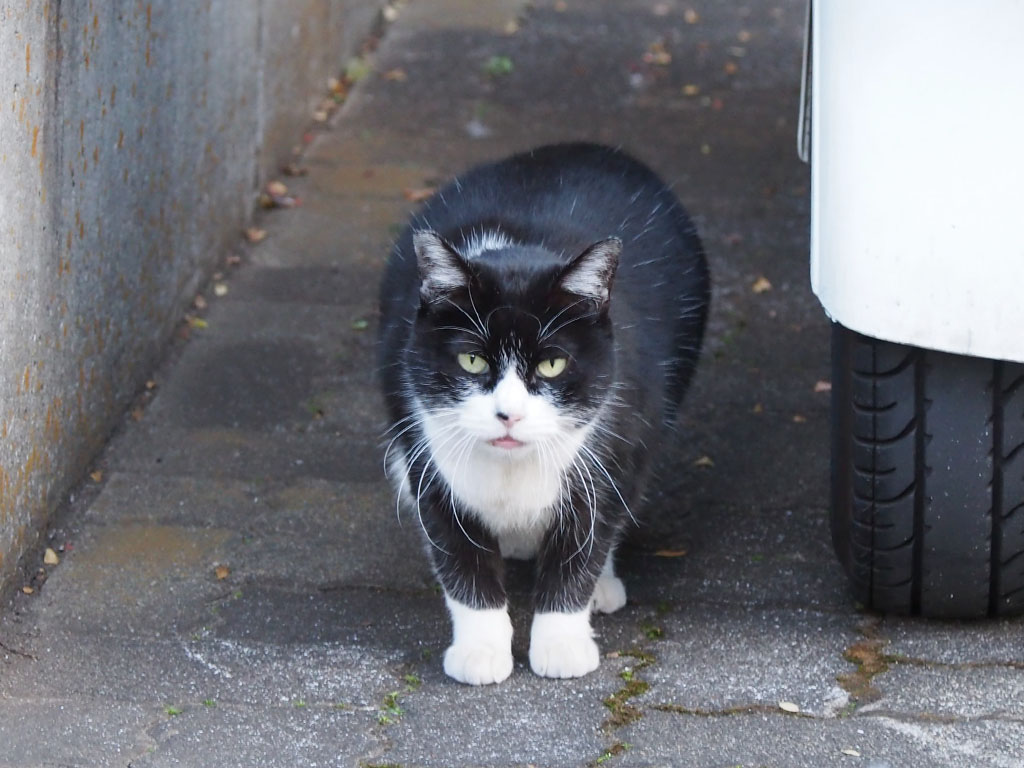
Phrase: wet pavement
[236,589]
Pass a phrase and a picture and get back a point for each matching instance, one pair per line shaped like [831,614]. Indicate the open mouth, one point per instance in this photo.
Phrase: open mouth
[506,442]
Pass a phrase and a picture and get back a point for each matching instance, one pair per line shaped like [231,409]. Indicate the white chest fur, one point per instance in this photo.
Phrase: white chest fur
[515,493]
[506,493]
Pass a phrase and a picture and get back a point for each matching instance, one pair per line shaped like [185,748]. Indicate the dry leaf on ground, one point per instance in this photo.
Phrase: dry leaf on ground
[822,386]
[670,553]
[761,285]
[418,194]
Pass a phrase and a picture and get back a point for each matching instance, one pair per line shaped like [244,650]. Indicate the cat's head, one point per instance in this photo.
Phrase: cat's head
[512,348]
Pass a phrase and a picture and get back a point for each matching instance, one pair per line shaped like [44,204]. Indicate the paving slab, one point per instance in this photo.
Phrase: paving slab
[236,589]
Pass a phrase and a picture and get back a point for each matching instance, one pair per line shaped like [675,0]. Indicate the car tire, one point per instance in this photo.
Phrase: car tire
[928,478]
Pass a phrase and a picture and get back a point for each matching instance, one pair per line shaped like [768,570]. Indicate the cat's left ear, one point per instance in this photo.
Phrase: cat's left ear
[442,270]
[590,274]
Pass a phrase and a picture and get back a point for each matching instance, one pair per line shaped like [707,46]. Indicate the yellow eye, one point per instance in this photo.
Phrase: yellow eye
[552,367]
[472,363]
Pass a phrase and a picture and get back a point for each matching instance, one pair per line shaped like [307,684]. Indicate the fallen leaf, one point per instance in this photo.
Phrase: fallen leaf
[50,557]
[670,553]
[761,285]
[390,13]
[320,116]
[850,751]
[657,55]
[220,289]
[690,16]
[691,89]
[788,706]
[744,36]
[27,590]
[276,188]
[199,302]
[222,572]
[255,234]
[97,476]
[823,386]
[197,322]
[151,385]
[418,194]
[704,461]
[396,75]
[731,68]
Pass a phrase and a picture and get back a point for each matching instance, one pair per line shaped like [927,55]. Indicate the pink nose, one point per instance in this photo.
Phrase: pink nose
[508,419]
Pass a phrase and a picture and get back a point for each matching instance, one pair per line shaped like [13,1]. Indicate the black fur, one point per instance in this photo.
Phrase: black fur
[639,346]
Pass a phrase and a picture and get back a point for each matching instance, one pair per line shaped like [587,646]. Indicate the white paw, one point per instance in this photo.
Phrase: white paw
[477,664]
[609,594]
[562,645]
[481,649]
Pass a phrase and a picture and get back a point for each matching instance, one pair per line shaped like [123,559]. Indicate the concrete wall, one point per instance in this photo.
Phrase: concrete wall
[133,137]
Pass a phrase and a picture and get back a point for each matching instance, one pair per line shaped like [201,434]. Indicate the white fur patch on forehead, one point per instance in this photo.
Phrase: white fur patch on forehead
[480,242]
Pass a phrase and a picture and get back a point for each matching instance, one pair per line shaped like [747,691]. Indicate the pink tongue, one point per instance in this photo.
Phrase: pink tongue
[506,442]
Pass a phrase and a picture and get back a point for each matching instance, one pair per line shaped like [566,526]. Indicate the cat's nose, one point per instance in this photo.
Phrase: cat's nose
[508,419]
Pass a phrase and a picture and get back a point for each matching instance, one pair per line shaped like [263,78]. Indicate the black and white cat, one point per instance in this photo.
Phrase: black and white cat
[541,319]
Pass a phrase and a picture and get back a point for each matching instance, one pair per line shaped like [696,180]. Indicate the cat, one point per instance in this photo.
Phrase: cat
[541,318]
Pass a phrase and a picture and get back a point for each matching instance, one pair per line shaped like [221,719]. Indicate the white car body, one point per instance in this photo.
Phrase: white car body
[917,171]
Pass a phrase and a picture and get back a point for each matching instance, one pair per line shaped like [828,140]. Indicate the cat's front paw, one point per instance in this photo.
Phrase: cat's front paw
[481,649]
[562,645]
[609,594]
[477,664]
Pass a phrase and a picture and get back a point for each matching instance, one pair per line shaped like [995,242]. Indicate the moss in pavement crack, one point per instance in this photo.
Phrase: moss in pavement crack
[623,713]
[866,654]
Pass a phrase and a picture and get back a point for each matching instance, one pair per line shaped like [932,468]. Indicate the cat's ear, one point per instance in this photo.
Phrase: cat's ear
[590,274]
[442,269]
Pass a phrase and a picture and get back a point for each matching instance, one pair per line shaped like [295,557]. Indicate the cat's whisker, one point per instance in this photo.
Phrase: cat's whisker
[600,465]
[544,330]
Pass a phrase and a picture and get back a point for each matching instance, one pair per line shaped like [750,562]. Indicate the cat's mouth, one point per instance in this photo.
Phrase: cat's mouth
[507,442]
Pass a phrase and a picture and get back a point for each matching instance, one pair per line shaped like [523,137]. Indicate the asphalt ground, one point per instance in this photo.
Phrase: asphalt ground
[236,589]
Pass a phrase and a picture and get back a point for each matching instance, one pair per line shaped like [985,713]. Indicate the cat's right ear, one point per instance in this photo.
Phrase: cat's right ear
[442,270]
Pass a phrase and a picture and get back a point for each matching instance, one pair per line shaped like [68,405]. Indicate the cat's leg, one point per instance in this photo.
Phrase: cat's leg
[468,564]
[610,592]
[561,639]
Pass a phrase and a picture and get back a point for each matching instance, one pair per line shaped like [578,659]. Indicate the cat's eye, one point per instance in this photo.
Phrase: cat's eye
[472,363]
[551,367]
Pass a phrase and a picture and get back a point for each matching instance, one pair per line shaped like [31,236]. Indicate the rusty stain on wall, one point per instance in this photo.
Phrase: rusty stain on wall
[109,247]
